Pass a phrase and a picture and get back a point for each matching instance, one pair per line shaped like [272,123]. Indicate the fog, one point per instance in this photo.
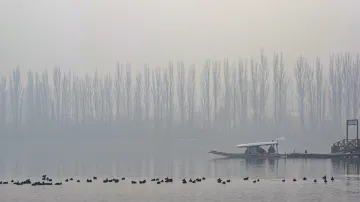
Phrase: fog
[88,35]
[94,76]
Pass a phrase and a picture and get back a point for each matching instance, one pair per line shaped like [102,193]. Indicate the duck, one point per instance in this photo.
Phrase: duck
[58,183]
[246,178]
[254,181]
[315,181]
[228,181]
[304,178]
[28,181]
[283,180]
[332,179]
[294,180]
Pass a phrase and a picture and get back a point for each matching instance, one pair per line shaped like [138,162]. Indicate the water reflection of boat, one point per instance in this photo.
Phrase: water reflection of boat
[254,150]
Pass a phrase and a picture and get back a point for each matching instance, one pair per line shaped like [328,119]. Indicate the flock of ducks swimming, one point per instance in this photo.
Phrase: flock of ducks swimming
[315,180]
[46,181]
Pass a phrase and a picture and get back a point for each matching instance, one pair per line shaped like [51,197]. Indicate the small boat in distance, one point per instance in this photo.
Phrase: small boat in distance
[254,150]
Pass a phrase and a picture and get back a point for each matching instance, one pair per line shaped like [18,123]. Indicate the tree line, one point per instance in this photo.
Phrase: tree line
[217,97]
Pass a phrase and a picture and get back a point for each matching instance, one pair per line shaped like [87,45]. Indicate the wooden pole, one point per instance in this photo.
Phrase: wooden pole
[357,131]
[347,131]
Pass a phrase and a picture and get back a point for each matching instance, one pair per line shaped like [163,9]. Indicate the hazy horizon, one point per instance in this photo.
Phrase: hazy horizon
[88,35]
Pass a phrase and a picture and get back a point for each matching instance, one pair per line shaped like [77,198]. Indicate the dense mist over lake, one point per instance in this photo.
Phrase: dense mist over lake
[141,89]
[176,75]
[222,102]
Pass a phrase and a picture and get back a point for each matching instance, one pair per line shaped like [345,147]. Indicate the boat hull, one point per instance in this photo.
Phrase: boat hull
[248,156]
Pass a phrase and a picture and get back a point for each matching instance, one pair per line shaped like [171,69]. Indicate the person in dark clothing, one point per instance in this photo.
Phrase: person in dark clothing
[271,150]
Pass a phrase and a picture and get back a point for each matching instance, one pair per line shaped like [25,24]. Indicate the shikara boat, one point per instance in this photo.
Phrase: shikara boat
[254,150]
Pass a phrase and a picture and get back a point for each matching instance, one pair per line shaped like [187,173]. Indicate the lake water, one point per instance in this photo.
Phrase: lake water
[177,161]
[346,186]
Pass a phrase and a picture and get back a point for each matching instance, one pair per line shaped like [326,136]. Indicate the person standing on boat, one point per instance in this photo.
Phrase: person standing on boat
[271,149]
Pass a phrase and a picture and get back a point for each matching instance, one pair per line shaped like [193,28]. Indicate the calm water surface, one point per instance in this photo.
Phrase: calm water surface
[178,164]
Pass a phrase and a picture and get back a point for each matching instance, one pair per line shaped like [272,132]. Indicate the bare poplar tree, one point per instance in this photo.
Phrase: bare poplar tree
[45,97]
[356,86]
[118,90]
[310,92]
[30,98]
[181,90]
[280,87]
[264,86]
[138,98]
[300,76]
[147,87]
[340,77]
[128,90]
[347,82]
[205,96]
[16,93]
[255,79]
[333,90]
[216,91]
[191,96]
[57,93]
[3,101]
[320,108]
[243,88]
[227,104]
[235,98]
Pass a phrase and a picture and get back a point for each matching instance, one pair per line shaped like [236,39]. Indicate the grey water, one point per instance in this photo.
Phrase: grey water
[141,161]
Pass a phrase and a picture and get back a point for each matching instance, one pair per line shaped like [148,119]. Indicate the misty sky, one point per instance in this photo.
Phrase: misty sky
[88,34]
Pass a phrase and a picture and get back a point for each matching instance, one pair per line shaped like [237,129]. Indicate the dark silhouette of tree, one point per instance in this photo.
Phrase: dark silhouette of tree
[300,76]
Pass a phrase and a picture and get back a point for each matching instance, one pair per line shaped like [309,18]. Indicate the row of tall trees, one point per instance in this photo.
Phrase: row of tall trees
[219,96]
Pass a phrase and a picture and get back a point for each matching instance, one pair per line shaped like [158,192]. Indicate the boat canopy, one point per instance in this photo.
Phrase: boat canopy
[256,144]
